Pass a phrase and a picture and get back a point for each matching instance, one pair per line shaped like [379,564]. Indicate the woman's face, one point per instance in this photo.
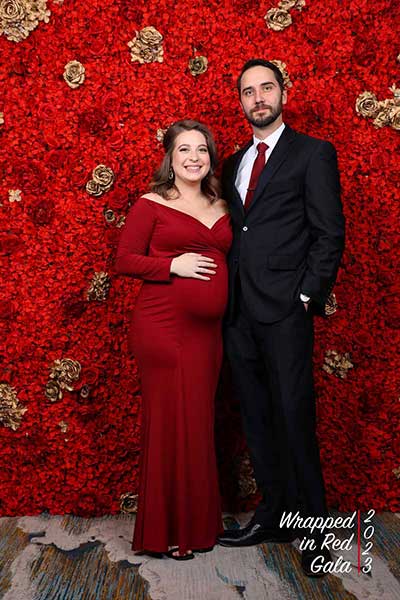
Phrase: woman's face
[190,157]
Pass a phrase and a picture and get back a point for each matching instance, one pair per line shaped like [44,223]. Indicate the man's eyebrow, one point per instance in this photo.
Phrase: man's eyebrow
[250,87]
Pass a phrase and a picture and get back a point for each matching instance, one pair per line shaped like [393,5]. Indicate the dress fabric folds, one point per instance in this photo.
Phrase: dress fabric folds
[175,335]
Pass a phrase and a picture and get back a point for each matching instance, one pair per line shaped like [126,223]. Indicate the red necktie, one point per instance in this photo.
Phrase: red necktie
[258,166]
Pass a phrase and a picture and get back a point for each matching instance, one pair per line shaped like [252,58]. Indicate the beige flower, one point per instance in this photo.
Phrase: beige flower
[14,195]
[160,135]
[337,364]
[128,503]
[394,117]
[382,118]
[64,426]
[94,189]
[99,287]
[104,176]
[198,65]
[146,47]
[396,92]
[367,105]
[11,411]
[282,67]
[245,476]
[287,4]
[109,215]
[65,372]
[144,54]
[13,11]
[278,19]
[74,74]
[331,305]
[149,36]
[19,17]
[1,119]
[53,391]
[85,392]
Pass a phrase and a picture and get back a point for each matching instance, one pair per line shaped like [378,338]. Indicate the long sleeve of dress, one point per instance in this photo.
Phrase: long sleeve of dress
[132,254]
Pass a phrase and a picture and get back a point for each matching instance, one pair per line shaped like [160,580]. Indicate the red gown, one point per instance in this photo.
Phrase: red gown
[176,338]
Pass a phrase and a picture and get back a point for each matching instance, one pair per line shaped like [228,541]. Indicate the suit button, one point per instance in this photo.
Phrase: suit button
[245,228]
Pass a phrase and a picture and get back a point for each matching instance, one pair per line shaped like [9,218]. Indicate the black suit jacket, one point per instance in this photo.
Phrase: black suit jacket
[291,238]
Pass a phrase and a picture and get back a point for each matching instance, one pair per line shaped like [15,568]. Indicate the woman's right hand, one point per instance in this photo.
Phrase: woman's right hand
[193,265]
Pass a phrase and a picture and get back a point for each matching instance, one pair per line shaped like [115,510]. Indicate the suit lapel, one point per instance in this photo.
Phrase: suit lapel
[277,157]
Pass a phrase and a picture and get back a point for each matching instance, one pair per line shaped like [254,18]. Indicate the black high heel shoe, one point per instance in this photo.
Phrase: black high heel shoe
[187,556]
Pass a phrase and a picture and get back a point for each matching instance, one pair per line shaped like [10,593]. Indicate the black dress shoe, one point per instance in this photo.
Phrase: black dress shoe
[320,556]
[255,533]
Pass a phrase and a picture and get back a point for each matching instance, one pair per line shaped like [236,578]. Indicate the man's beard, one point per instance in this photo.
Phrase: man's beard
[265,120]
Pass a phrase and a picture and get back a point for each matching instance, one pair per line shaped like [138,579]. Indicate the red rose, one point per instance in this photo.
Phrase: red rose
[41,211]
[118,199]
[364,51]
[111,236]
[10,242]
[111,103]
[7,310]
[57,159]
[91,376]
[116,141]
[97,45]
[29,176]
[130,13]
[74,305]
[315,31]
[93,121]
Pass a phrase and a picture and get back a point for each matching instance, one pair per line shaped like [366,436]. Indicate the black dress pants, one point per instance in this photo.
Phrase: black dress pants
[272,376]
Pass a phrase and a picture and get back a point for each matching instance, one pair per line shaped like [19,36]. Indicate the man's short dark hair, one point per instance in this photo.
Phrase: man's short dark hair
[260,62]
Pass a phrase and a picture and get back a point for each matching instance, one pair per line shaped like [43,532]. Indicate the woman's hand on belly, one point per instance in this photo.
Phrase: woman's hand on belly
[193,265]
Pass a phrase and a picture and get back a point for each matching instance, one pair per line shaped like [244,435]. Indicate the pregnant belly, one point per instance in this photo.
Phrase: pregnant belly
[200,298]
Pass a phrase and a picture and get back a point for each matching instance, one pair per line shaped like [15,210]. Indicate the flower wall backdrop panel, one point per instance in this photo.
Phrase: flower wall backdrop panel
[86,90]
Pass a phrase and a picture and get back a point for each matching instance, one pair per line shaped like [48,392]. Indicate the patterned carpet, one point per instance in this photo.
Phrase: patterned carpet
[71,558]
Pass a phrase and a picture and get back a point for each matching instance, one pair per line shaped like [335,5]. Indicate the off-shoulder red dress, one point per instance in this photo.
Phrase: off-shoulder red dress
[176,337]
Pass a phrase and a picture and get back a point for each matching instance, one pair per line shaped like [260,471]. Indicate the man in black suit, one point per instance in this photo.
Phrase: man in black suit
[284,197]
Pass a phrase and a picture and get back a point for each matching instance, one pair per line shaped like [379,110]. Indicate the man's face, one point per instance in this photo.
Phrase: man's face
[261,97]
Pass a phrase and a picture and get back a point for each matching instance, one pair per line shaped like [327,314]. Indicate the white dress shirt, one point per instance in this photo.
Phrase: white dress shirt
[246,167]
[248,158]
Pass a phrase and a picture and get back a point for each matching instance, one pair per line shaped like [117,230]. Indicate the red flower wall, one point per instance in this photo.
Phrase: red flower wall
[55,238]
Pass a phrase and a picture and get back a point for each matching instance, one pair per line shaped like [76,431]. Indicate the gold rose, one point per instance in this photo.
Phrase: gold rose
[102,180]
[99,287]
[74,74]
[384,112]
[11,411]
[146,46]
[331,305]
[18,18]
[198,65]
[279,18]
[282,67]
[65,372]
[104,176]
[128,503]
[94,189]
[337,364]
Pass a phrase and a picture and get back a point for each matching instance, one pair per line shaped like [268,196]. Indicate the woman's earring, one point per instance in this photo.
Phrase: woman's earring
[171,174]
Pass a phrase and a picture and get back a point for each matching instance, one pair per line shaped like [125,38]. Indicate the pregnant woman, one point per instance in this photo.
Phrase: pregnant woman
[176,239]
